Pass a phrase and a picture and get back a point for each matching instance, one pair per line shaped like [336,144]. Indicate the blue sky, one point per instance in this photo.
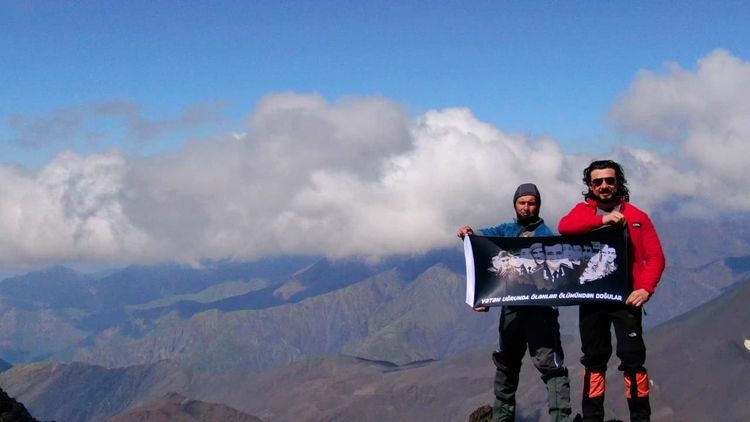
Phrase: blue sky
[137,132]
[538,68]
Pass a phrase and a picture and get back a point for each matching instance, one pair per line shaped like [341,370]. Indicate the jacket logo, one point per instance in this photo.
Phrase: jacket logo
[636,224]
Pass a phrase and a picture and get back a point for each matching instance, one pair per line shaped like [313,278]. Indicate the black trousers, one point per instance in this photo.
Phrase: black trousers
[537,328]
[595,324]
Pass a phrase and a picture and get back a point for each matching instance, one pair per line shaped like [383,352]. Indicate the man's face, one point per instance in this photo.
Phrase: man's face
[501,261]
[538,254]
[609,254]
[567,251]
[554,252]
[527,206]
[603,184]
[505,261]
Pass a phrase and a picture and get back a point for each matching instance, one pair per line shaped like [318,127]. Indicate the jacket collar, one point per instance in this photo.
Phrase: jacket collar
[533,225]
[594,203]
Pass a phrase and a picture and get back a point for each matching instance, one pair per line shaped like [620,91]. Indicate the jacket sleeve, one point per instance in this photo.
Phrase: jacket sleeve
[581,219]
[653,258]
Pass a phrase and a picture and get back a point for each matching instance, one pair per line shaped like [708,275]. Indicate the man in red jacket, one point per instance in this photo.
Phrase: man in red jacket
[607,203]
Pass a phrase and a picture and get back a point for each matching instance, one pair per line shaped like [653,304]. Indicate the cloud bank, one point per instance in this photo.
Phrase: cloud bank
[702,118]
[362,177]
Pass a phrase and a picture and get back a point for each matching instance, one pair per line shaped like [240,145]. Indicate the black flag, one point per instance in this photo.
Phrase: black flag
[551,271]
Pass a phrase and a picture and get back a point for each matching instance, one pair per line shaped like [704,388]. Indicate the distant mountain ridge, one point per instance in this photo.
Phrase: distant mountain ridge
[44,320]
[228,326]
[351,388]
[4,366]
[59,323]
[46,312]
[60,287]
[383,317]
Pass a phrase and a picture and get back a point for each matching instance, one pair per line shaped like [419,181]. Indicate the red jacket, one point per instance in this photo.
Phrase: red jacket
[646,254]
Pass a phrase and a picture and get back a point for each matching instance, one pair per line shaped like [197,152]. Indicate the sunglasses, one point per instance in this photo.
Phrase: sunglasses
[609,180]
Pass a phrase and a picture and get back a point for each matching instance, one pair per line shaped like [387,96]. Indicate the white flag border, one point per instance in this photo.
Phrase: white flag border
[470,276]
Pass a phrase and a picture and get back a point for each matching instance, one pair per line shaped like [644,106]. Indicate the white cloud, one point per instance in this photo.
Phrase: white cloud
[360,176]
[355,177]
[459,170]
[703,116]
[70,210]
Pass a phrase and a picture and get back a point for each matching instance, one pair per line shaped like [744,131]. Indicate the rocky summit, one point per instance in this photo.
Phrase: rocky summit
[13,411]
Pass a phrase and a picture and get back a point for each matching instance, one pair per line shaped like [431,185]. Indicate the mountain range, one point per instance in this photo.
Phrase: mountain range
[693,379]
[335,339]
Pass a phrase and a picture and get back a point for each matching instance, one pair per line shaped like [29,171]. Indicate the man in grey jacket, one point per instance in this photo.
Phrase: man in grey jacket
[521,326]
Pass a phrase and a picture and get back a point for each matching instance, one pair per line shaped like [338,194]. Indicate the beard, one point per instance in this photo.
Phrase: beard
[609,203]
[526,220]
[614,198]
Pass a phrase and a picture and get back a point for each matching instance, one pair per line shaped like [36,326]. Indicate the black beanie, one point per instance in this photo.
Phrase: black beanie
[527,189]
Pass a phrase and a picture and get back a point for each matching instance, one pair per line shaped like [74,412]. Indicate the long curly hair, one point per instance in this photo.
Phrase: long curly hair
[622,183]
